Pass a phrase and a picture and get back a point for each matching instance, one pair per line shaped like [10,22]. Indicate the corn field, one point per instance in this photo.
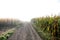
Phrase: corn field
[50,26]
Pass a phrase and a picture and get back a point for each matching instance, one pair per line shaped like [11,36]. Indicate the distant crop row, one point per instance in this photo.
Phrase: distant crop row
[8,23]
[48,26]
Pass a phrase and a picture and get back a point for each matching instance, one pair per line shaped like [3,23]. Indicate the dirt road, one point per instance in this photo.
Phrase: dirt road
[26,32]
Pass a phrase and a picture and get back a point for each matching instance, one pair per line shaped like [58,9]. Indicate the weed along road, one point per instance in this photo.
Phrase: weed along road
[26,32]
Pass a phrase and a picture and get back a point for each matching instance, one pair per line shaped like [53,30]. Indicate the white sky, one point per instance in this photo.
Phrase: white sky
[27,9]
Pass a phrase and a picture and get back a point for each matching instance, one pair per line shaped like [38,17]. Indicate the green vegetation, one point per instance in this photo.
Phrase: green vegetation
[8,26]
[47,27]
[5,35]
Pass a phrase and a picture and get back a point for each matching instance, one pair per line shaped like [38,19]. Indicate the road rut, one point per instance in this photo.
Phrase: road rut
[26,32]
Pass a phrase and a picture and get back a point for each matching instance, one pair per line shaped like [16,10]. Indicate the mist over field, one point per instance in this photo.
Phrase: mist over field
[29,19]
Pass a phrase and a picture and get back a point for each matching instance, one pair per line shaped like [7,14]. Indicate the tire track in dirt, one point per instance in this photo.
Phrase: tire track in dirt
[26,32]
